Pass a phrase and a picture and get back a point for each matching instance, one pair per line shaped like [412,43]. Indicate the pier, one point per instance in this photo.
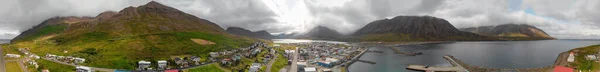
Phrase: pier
[459,66]
[371,62]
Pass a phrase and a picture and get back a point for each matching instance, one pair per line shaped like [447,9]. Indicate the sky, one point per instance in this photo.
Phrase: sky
[563,19]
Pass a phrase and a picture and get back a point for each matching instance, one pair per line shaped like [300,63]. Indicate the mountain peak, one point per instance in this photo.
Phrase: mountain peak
[154,4]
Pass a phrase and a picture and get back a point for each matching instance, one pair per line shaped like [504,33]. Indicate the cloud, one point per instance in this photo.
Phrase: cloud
[559,18]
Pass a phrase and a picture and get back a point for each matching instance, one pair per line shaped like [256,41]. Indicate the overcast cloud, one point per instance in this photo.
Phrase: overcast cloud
[566,19]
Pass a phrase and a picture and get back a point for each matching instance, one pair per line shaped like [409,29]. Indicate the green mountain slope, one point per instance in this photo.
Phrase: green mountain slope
[119,39]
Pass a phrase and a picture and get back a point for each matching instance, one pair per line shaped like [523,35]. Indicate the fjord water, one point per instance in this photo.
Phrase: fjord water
[491,54]
[4,41]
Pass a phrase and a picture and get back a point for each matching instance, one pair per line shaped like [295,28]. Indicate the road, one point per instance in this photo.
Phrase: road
[271,63]
[93,68]
[294,67]
[2,61]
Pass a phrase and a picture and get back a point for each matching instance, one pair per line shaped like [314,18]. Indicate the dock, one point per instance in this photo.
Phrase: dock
[433,69]
[459,66]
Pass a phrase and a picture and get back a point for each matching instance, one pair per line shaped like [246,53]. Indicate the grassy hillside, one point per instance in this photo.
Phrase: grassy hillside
[149,32]
[121,52]
[51,29]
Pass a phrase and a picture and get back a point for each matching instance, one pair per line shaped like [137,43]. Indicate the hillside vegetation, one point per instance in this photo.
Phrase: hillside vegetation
[149,32]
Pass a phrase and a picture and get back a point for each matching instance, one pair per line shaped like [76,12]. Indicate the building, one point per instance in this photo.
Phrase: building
[13,55]
[51,56]
[162,64]
[34,56]
[83,69]
[254,68]
[178,61]
[571,57]
[590,57]
[225,61]
[143,65]
[562,69]
[214,54]
[196,59]
[174,70]
[79,60]
[310,69]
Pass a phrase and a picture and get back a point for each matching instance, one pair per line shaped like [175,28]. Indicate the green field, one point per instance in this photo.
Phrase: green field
[280,62]
[54,67]
[207,68]
[12,67]
[122,52]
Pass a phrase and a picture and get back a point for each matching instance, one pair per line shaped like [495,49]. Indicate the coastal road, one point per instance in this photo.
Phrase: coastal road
[2,67]
[294,67]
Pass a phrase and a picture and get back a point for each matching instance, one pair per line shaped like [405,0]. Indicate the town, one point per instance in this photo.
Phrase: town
[322,56]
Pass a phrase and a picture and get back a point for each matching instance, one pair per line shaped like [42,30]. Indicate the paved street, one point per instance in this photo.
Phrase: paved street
[294,67]
[93,68]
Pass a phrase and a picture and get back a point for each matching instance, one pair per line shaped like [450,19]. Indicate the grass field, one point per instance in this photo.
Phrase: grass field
[280,62]
[207,68]
[12,67]
[122,52]
[54,67]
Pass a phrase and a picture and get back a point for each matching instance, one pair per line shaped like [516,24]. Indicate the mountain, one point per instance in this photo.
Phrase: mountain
[118,40]
[511,32]
[414,28]
[320,32]
[243,32]
[286,35]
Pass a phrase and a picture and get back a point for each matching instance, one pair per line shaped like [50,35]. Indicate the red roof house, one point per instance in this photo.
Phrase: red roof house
[562,69]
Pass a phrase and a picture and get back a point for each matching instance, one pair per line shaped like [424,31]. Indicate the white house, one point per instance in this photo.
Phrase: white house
[310,69]
[590,57]
[214,54]
[571,57]
[162,64]
[34,56]
[84,69]
[13,55]
[79,60]
[143,64]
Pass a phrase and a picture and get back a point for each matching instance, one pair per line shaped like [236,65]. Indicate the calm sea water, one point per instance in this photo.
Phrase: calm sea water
[492,54]
[4,41]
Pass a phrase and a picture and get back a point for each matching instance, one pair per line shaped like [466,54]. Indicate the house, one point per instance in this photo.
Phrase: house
[196,59]
[214,54]
[590,57]
[51,56]
[571,57]
[310,69]
[45,70]
[162,64]
[226,61]
[562,69]
[34,56]
[83,69]
[178,61]
[13,55]
[79,60]
[173,70]
[143,65]
[254,68]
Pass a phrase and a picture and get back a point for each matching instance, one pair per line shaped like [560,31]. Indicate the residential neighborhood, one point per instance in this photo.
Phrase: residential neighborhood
[322,56]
